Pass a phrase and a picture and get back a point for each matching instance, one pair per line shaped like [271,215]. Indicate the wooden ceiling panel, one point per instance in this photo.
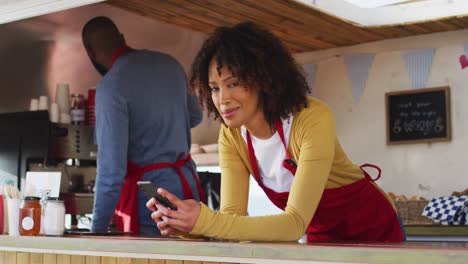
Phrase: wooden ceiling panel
[300,27]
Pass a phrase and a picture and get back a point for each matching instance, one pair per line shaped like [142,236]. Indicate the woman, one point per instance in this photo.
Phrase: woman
[245,76]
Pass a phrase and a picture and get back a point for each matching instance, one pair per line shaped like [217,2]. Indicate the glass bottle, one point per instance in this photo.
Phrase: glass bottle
[30,216]
[77,112]
[54,217]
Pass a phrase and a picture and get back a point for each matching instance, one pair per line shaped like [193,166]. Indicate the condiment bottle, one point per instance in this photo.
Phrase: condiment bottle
[77,111]
[54,217]
[30,216]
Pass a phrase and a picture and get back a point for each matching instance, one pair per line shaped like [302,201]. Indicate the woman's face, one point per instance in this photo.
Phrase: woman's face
[236,104]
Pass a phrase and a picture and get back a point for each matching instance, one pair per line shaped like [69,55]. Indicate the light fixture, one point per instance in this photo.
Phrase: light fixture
[375,13]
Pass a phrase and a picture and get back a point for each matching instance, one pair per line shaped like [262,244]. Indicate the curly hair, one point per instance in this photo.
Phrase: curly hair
[260,61]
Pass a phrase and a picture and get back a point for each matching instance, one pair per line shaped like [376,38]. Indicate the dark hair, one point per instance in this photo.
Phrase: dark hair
[260,61]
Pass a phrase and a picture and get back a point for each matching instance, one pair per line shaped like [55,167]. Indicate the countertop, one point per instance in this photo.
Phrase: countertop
[240,252]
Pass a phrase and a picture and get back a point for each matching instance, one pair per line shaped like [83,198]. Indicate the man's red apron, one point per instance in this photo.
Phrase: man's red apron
[126,212]
[358,211]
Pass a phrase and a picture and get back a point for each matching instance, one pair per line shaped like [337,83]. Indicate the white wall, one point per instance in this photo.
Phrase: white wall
[441,167]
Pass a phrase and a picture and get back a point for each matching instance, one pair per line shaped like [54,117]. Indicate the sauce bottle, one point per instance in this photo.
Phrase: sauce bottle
[30,216]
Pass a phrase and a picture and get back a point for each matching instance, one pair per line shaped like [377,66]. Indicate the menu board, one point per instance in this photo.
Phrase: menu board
[415,116]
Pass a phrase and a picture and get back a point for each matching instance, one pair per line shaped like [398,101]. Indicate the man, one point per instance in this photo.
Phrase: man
[143,119]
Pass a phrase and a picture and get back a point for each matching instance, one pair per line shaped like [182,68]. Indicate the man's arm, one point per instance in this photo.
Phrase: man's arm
[112,139]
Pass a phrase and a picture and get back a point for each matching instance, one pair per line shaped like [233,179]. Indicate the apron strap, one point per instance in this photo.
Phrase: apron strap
[197,180]
[279,128]
[253,159]
[180,162]
[367,174]
[288,163]
[119,52]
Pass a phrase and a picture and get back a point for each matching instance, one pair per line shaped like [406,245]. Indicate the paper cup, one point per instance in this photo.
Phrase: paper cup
[43,103]
[54,113]
[62,97]
[13,216]
[34,105]
[65,118]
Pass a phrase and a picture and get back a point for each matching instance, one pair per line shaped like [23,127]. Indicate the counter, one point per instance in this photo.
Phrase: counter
[106,250]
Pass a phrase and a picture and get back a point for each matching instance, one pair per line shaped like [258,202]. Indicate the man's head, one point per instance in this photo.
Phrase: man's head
[101,39]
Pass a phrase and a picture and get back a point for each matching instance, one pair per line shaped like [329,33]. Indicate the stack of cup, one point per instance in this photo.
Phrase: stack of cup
[54,113]
[90,108]
[34,105]
[65,118]
[43,103]
[13,205]
[62,98]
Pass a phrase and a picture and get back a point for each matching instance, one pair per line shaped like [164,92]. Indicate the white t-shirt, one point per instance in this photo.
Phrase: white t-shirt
[270,154]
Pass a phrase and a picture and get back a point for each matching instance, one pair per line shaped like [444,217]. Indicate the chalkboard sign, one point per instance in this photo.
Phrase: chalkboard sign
[415,116]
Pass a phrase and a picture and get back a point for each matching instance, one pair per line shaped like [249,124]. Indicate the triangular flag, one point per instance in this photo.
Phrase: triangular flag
[418,63]
[310,70]
[358,66]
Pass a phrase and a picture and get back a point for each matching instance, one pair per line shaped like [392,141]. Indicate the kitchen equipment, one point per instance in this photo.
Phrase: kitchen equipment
[72,142]
[23,136]
[29,142]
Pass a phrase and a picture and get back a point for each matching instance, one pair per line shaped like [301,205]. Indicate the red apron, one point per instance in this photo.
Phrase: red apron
[126,212]
[358,211]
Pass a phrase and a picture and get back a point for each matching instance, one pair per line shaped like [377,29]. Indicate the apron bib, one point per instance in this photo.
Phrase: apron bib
[358,211]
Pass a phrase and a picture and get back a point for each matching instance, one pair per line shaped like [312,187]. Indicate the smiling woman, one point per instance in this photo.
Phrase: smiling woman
[287,142]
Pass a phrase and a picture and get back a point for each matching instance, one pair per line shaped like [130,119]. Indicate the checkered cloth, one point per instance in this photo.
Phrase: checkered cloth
[451,210]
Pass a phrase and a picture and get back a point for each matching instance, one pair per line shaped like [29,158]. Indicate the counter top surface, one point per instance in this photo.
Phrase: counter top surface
[408,252]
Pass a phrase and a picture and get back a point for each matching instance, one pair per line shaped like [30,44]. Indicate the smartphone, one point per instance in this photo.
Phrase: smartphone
[151,191]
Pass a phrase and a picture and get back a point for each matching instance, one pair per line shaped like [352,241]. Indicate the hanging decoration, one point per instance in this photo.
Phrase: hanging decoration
[463,58]
[418,64]
[310,70]
[358,66]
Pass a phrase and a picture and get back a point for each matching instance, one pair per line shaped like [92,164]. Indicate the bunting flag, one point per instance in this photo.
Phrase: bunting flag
[464,57]
[310,70]
[418,64]
[358,66]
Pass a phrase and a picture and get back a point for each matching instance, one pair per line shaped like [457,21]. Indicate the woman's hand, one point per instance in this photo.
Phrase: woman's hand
[167,220]
[165,229]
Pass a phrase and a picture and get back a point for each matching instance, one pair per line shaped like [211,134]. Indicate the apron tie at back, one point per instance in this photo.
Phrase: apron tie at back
[367,174]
